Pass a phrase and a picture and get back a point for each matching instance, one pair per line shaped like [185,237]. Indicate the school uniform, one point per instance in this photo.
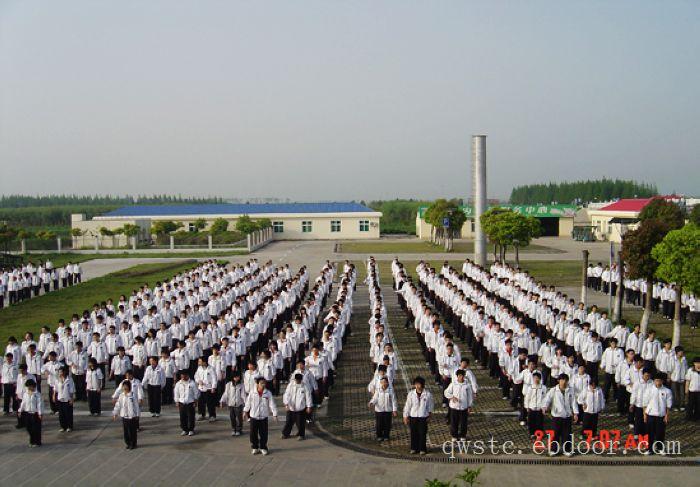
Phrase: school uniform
[127,408]
[297,399]
[639,390]
[460,397]
[234,397]
[259,405]
[118,368]
[64,392]
[657,402]
[417,409]
[154,380]
[93,384]
[593,403]
[692,383]
[168,366]
[186,393]
[8,377]
[533,403]
[31,408]
[563,407]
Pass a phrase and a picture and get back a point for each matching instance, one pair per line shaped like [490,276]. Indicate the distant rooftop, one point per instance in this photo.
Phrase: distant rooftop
[627,205]
[237,209]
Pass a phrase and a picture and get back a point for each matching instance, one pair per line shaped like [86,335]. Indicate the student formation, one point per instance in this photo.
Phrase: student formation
[247,337]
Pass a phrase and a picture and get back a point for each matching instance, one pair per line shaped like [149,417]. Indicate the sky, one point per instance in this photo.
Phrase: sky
[342,100]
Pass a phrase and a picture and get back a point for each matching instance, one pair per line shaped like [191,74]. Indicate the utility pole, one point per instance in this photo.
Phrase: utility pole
[584,279]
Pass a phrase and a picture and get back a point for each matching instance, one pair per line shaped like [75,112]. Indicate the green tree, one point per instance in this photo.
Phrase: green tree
[436,214]
[264,223]
[246,225]
[636,252]
[694,215]
[130,230]
[678,257]
[164,227]
[199,224]
[76,232]
[220,225]
[666,211]
[505,228]
[106,232]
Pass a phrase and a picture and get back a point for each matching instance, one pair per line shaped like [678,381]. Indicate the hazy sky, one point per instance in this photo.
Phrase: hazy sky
[336,100]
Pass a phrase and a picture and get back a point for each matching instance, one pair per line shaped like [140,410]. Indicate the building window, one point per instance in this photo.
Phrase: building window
[335,226]
[191,227]
[473,224]
[306,227]
[364,225]
[278,227]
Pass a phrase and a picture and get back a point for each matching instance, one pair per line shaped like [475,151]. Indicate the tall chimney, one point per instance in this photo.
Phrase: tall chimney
[479,195]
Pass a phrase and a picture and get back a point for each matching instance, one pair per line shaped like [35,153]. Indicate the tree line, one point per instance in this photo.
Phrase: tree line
[580,192]
[23,201]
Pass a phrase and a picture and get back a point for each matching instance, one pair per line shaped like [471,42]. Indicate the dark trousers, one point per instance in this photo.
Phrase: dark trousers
[656,429]
[167,393]
[236,415]
[33,425]
[206,404]
[639,426]
[9,399]
[458,422]
[95,402]
[130,431]
[154,399]
[692,410]
[623,401]
[118,379]
[79,381]
[609,382]
[419,433]
[65,415]
[590,423]
[187,417]
[258,434]
[535,421]
[298,418]
[383,424]
[562,432]
[52,401]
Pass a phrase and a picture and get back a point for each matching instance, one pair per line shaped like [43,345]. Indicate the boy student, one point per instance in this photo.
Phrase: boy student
[593,401]
[460,396]
[186,394]
[657,404]
[258,406]
[127,408]
[119,365]
[385,406]
[562,403]
[298,402]
[22,379]
[93,384]
[63,396]
[692,391]
[234,396]
[32,409]
[679,368]
[534,404]
[8,377]
[154,380]
[417,409]
[639,390]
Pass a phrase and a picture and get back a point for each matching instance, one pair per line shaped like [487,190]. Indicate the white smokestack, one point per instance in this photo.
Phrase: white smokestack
[479,195]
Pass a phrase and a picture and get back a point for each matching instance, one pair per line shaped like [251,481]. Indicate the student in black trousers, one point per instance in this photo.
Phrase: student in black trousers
[417,409]
[127,408]
[32,410]
[258,406]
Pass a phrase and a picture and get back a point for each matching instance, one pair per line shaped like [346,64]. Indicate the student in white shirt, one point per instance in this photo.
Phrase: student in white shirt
[562,403]
[657,403]
[259,404]
[417,409]
[384,404]
[460,397]
[234,397]
[298,403]
[534,404]
[593,401]
[32,409]
[186,394]
[93,384]
[127,407]
[154,380]
[692,391]
[63,395]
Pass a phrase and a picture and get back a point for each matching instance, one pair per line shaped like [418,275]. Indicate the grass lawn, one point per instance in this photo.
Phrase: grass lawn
[421,247]
[48,309]
[560,273]
[59,260]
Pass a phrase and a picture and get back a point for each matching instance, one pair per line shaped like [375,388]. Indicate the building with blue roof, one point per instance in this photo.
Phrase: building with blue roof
[290,221]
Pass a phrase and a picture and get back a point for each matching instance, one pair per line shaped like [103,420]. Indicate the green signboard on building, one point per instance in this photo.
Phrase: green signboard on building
[538,211]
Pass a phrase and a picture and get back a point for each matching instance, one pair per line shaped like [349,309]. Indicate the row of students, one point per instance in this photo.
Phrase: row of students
[28,281]
[663,295]
[513,373]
